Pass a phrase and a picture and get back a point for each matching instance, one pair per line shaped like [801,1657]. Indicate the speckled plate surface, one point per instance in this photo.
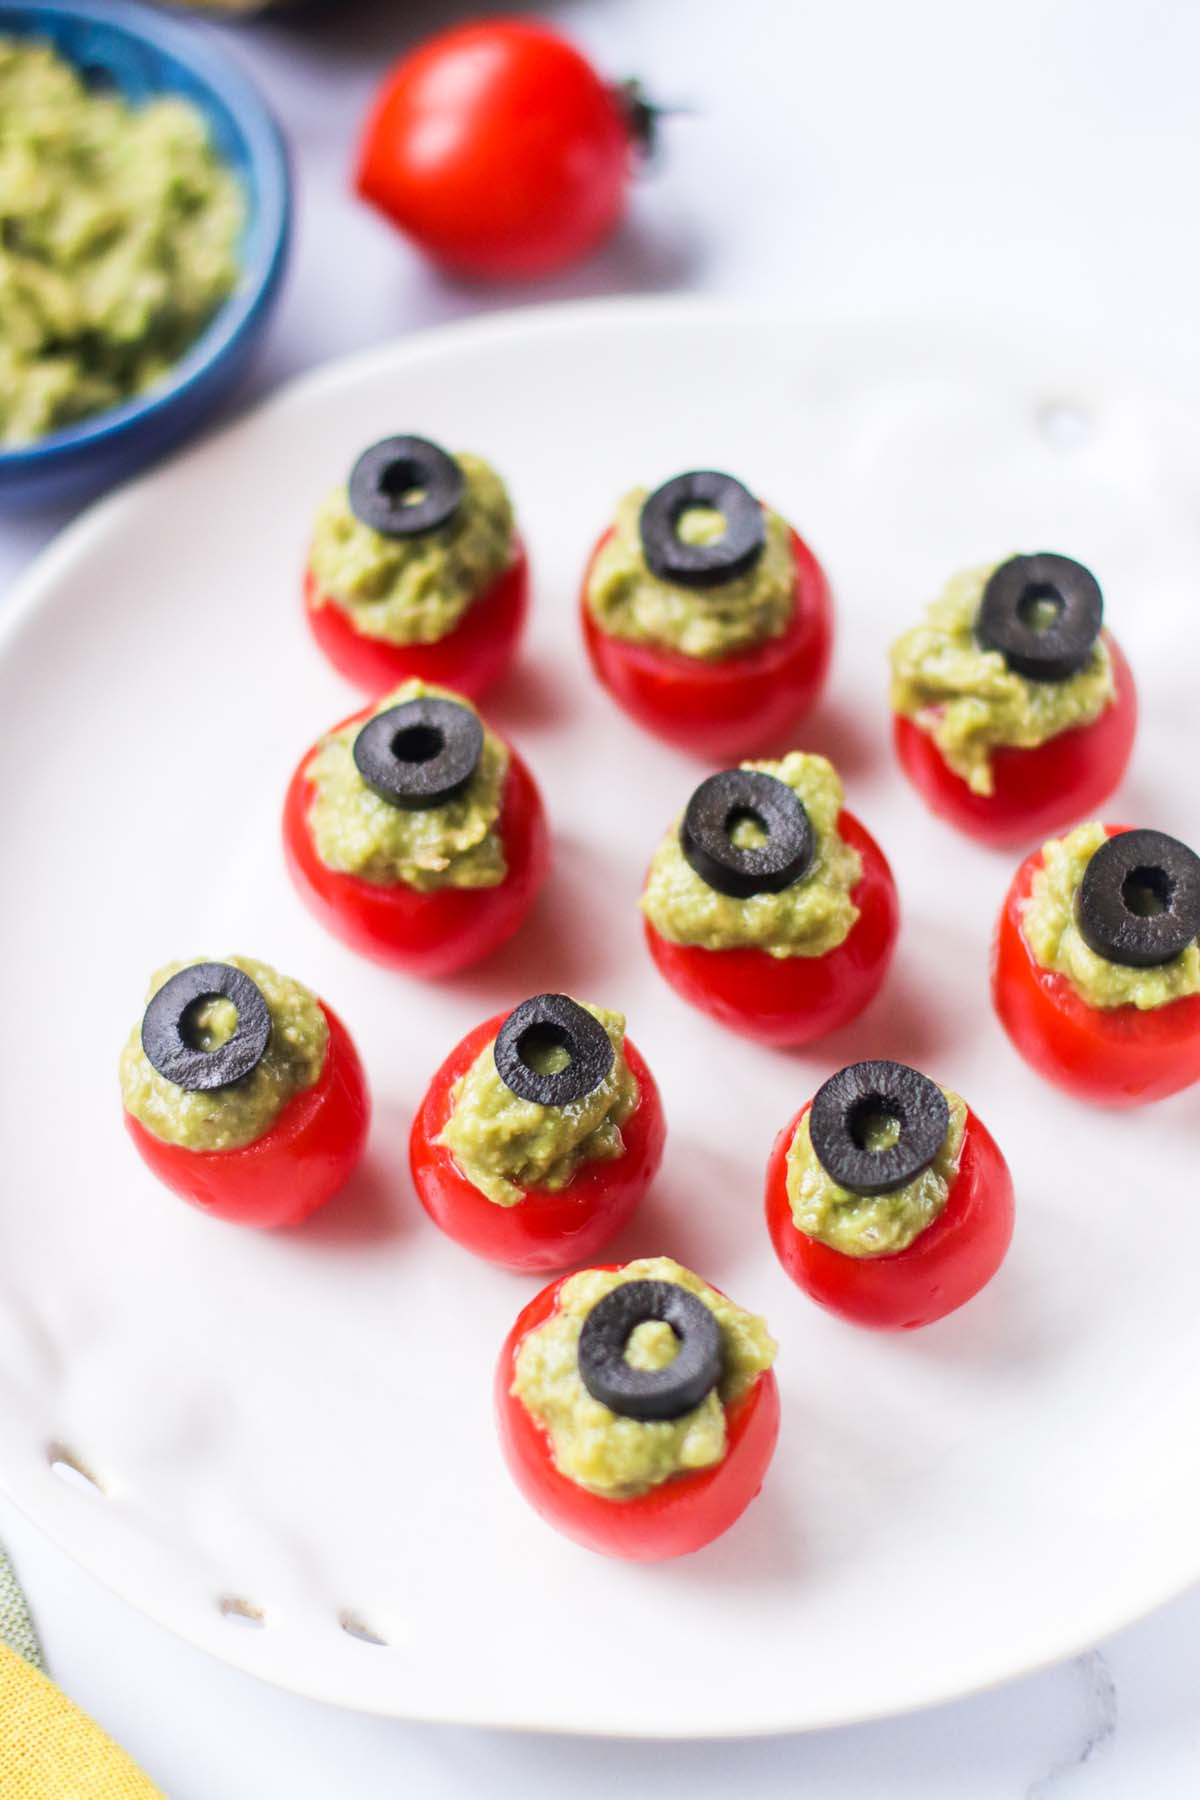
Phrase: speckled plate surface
[291,1434]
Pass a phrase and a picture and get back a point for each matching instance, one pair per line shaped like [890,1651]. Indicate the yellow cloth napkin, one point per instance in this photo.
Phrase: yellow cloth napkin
[49,1750]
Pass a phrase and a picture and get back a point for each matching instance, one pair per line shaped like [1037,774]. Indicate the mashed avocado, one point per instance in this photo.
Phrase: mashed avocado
[809,918]
[358,833]
[871,1224]
[969,700]
[414,590]
[602,1450]
[628,602]
[118,241]
[504,1144]
[1048,921]
[226,1118]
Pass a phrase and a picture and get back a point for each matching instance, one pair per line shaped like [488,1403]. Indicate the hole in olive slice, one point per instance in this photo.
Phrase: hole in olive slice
[1043,613]
[173,1044]
[785,843]
[405,486]
[1139,900]
[421,753]
[875,1125]
[551,1050]
[665,1393]
[672,558]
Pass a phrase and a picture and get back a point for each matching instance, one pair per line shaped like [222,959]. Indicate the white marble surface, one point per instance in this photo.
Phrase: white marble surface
[1039,156]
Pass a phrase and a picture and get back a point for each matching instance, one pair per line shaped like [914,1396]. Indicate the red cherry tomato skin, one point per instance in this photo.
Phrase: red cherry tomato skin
[470,659]
[673,1519]
[426,934]
[743,705]
[544,1231]
[796,999]
[1037,792]
[498,149]
[1113,1056]
[303,1160]
[945,1267]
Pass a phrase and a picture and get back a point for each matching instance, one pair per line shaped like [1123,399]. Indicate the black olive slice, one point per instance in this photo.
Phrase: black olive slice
[867,1094]
[406,486]
[421,753]
[531,1035]
[1043,614]
[701,565]
[166,1034]
[724,801]
[1139,900]
[649,1393]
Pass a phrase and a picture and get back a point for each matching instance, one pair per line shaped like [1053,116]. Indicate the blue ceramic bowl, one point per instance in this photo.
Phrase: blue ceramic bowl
[145,53]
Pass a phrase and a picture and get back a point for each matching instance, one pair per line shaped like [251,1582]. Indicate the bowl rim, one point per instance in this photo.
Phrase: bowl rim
[269,178]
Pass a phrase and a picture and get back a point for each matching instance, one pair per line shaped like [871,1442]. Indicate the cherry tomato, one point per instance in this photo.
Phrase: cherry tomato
[1115,1056]
[744,704]
[789,1000]
[298,1163]
[469,659]
[943,1268]
[682,1514]
[545,1230]
[430,934]
[1039,791]
[499,150]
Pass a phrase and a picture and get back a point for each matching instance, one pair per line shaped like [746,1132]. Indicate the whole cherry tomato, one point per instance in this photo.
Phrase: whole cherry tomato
[789,1000]
[678,1516]
[298,1163]
[430,934]
[944,1267]
[470,658]
[1036,792]
[738,706]
[1114,1056]
[544,1230]
[499,150]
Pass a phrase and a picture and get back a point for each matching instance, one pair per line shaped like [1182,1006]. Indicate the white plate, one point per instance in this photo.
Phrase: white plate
[303,1422]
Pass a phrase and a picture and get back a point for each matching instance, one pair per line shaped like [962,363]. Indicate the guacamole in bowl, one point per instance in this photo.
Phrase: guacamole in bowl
[144,207]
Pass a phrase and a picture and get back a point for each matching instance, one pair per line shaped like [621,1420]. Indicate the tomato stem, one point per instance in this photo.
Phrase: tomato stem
[642,116]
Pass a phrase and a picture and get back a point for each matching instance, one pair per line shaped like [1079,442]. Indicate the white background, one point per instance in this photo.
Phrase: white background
[1039,158]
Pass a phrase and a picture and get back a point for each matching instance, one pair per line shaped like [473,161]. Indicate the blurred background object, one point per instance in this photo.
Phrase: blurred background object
[117,220]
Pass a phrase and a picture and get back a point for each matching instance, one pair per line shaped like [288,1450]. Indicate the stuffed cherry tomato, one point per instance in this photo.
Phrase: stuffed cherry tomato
[1096,966]
[416,570]
[769,906]
[1014,711]
[243,1092]
[415,834]
[887,1200]
[638,1409]
[707,617]
[539,1135]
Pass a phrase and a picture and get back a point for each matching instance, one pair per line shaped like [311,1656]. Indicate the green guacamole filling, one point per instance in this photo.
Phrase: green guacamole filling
[414,590]
[119,228]
[504,1145]
[968,699]
[810,918]
[357,832]
[871,1224]
[604,1451]
[629,602]
[1049,922]
[227,1118]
